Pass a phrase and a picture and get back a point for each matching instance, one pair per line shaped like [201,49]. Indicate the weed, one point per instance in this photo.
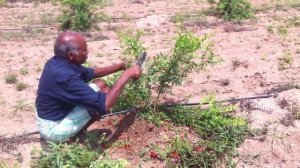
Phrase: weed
[157,118]
[24,71]
[21,86]
[64,155]
[143,155]
[74,155]
[94,139]
[21,107]
[285,61]
[270,29]
[156,152]
[283,31]
[121,144]
[11,79]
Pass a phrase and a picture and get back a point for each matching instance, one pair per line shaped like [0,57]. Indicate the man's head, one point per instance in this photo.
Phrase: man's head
[72,46]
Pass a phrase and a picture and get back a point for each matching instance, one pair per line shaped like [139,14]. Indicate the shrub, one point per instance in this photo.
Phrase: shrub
[164,71]
[78,15]
[168,70]
[234,9]
[136,93]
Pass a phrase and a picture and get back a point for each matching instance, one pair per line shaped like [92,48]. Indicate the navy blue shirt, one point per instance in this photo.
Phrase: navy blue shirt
[63,85]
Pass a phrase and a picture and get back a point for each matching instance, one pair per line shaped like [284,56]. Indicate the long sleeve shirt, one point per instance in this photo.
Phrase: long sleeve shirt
[63,85]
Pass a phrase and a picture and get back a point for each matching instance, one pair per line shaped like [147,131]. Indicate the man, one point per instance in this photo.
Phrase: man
[65,102]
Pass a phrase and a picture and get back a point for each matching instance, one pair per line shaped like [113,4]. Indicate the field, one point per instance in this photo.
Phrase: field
[258,56]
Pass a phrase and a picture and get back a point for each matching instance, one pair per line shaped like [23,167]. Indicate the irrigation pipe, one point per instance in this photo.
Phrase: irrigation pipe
[232,100]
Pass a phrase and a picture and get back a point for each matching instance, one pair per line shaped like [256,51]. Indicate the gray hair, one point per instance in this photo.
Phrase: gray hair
[62,49]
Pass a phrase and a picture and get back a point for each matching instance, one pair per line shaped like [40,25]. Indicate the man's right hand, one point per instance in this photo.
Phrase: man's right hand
[134,71]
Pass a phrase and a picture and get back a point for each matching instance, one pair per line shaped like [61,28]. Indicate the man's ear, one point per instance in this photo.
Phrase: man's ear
[71,56]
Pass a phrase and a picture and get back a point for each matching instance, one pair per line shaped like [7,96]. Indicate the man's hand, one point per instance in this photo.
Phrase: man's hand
[111,97]
[133,72]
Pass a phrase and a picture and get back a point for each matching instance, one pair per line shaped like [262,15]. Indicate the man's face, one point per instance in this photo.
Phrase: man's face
[82,54]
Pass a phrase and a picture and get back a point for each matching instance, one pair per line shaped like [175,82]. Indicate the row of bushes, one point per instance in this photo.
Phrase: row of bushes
[79,15]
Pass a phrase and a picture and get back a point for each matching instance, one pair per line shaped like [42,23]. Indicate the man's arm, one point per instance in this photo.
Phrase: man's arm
[114,93]
[99,72]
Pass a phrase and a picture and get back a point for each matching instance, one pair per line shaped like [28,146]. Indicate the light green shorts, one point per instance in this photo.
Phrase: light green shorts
[68,127]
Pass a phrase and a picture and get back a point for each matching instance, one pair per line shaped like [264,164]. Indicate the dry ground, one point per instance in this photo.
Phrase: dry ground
[251,53]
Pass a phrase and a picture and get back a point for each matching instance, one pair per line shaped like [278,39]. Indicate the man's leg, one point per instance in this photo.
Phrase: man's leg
[103,88]
[76,121]
[66,128]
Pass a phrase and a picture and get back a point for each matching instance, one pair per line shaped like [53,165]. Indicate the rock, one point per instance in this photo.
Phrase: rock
[151,21]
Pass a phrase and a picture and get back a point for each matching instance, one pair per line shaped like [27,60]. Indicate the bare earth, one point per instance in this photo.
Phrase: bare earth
[250,53]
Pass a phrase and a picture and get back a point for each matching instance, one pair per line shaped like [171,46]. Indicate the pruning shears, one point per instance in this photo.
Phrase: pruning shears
[141,59]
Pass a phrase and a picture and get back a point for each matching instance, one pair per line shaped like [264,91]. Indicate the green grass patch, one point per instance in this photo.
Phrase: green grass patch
[220,132]
[74,155]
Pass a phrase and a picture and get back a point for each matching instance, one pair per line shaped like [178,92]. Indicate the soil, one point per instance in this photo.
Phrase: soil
[250,51]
